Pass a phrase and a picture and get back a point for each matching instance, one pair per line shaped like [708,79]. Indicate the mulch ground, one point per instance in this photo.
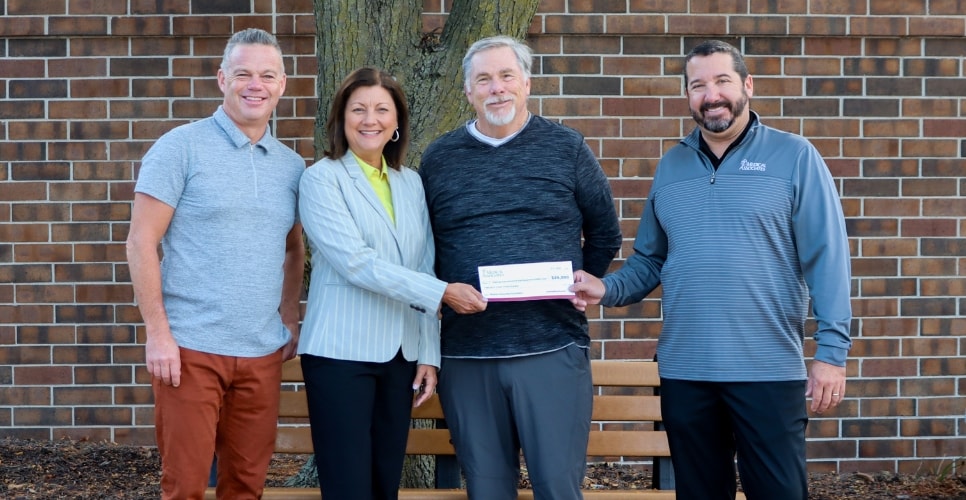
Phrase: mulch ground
[86,470]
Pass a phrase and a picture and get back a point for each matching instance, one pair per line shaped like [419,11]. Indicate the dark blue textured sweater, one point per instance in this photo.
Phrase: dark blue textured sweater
[526,200]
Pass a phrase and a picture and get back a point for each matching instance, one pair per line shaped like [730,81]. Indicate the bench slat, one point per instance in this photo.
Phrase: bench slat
[429,442]
[627,409]
[628,444]
[292,371]
[605,372]
[298,440]
[625,373]
[606,408]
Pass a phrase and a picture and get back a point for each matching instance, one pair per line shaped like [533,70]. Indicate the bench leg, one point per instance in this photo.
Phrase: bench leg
[663,475]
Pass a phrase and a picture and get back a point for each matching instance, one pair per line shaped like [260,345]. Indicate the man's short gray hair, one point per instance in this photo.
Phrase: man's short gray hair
[250,36]
[521,50]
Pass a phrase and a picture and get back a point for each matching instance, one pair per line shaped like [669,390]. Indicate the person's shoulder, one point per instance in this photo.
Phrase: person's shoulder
[324,166]
[441,147]
[559,131]
[191,131]
[288,154]
[771,135]
[457,134]
[410,175]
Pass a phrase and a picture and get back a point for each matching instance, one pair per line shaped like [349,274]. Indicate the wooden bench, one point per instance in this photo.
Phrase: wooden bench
[626,426]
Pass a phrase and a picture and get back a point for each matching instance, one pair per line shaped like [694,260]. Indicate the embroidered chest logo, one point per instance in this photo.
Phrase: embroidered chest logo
[750,165]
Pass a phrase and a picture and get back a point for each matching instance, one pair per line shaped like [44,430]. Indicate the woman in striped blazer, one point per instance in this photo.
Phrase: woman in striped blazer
[370,338]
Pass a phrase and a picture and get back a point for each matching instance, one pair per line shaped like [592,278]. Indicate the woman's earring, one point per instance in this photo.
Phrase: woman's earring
[395,136]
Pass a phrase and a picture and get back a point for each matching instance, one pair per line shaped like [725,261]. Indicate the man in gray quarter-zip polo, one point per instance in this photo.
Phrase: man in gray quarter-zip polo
[742,228]
[221,310]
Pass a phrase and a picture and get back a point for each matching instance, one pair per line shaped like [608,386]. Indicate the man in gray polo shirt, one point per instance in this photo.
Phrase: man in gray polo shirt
[221,310]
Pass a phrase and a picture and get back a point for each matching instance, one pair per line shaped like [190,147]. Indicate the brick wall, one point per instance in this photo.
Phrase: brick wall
[86,87]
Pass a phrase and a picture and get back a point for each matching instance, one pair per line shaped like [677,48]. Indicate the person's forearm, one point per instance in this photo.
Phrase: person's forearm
[145,268]
[293,269]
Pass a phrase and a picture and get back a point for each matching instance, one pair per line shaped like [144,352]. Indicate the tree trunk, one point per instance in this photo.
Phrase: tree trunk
[388,34]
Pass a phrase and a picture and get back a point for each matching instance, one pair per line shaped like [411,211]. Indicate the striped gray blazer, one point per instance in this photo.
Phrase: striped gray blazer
[372,289]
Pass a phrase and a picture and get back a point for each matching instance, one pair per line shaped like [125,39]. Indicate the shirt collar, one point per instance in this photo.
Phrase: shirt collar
[370,171]
[236,136]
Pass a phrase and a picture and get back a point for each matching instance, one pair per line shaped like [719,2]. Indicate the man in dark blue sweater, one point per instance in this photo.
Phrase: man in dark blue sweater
[508,188]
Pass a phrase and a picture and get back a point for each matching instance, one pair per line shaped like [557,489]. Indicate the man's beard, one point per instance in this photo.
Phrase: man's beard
[499,120]
[721,124]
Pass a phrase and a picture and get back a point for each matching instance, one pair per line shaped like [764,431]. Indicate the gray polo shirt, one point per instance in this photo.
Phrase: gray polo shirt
[234,203]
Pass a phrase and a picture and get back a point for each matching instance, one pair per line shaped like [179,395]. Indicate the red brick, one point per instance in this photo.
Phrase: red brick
[88,89]
[874,307]
[904,407]
[105,334]
[45,334]
[102,171]
[77,25]
[141,26]
[44,294]
[39,416]
[70,396]
[928,187]
[133,395]
[105,415]
[876,448]
[944,326]
[22,68]
[939,7]
[84,272]
[928,267]
[103,375]
[91,7]
[43,253]
[878,26]
[759,24]
[889,368]
[198,25]
[25,273]
[895,247]
[922,427]
[100,293]
[818,25]
[937,26]
[659,6]
[695,25]
[22,26]
[42,7]
[78,109]
[99,47]
[148,7]
[827,449]
[43,375]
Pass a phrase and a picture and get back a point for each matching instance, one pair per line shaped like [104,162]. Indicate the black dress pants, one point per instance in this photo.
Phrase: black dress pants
[360,413]
[762,423]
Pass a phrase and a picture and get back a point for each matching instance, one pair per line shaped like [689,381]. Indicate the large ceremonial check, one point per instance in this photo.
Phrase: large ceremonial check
[534,281]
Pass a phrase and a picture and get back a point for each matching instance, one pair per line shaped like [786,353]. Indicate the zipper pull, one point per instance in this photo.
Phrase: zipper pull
[712,175]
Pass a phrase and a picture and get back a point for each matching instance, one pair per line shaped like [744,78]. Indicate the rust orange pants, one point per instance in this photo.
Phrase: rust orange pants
[227,406]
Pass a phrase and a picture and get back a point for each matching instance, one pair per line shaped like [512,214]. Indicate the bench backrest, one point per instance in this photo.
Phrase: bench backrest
[626,414]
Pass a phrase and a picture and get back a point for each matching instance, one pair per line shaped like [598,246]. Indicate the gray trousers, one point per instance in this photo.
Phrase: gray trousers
[541,403]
